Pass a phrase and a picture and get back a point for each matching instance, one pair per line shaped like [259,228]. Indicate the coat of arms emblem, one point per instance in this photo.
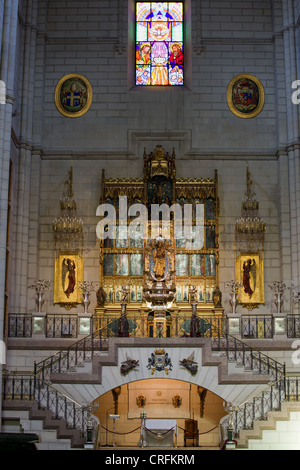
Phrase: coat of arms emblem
[73,95]
[245,96]
[159,361]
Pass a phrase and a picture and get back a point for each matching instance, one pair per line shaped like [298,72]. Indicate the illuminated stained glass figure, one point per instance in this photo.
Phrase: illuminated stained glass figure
[159,43]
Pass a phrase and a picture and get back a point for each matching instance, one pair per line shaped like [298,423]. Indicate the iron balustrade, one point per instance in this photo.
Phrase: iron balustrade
[245,355]
[293,326]
[257,326]
[87,348]
[62,326]
[286,389]
[107,327]
[78,353]
[67,325]
[29,388]
[19,326]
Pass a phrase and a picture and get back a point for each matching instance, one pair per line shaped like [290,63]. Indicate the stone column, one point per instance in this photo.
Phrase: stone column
[8,31]
[283,159]
[25,159]
[293,133]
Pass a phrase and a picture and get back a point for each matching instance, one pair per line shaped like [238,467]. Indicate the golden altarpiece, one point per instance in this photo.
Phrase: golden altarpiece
[161,278]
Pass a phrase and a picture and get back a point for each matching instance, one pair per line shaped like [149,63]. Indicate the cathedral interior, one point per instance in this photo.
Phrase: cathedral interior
[150,225]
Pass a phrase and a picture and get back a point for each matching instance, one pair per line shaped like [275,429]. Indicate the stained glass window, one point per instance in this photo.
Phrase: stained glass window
[159,43]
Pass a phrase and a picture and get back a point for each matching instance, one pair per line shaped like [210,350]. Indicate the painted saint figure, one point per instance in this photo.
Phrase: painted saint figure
[176,57]
[70,266]
[249,276]
[143,54]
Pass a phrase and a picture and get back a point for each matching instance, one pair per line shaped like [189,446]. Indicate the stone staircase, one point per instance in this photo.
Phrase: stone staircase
[78,373]
[280,431]
[85,382]
[22,416]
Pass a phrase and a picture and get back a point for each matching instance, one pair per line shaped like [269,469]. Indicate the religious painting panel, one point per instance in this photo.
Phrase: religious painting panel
[197,265]
[181,242]
[210,265]
[108,264]
[210,209]
[182,265]
[109,293]
[121,237]
[178,293]
[250,273]
[201,296]
[161,191]
[132,293]
[121,265]
[108,242]
[210,236]
[139,293]
[139,241]
[196,239]
[185,293]
[209,293]
[136,264]
[68,274]
[118,290]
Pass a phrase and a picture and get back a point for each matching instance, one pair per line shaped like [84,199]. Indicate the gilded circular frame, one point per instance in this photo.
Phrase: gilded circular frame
[73,95]
[245,96]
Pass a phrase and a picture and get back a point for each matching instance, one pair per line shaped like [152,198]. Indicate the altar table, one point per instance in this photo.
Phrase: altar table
[160,432]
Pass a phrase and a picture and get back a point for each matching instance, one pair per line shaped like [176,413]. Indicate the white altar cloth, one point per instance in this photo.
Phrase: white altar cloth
[164,424]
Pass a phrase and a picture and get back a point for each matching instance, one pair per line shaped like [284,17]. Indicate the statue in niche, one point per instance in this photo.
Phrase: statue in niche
[217,297]
[100,297]
[159,256]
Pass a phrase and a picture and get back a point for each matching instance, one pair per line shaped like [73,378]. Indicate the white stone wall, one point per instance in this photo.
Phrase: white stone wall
[223,39]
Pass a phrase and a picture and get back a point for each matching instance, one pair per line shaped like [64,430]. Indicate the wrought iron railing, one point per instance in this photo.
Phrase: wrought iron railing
[243,416]
[30,388]
[84,350]
[67,325]
[257,327]
[244,355]
[62,326]
[78,353]
[19,326]
[293,326]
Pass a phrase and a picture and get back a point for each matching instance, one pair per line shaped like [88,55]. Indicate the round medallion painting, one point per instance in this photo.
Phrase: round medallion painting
[245,96]
[73,96]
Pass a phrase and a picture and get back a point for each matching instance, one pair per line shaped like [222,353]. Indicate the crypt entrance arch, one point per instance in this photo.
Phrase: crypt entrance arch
[166,399]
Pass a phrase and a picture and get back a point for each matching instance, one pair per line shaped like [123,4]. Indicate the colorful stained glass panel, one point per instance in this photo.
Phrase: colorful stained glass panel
[159,43]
